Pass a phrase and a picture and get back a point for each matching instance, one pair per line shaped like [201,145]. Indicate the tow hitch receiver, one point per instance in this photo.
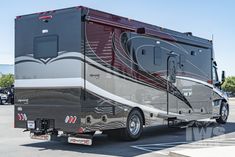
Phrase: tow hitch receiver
[44,129]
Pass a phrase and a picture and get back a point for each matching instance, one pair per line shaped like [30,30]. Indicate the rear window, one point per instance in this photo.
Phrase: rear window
[46,47]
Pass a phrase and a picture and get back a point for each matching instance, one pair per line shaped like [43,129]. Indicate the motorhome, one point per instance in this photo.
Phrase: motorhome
[79,70]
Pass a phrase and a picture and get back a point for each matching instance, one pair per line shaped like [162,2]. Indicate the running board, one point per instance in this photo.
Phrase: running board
[215,117]
[167,117]
[181,125]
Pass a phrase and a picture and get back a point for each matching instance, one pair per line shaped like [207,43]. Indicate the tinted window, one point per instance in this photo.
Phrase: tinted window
[215,75]
[46,47]
[182,61]
[157,55]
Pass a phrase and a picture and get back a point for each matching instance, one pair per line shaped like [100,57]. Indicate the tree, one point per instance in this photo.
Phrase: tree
[229,84]
[6,80]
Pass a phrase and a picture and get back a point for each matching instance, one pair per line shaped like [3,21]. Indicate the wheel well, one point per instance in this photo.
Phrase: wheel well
[141,112]
[225,101]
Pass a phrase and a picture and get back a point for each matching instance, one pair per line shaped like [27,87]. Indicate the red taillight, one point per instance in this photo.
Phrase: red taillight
[22,117]
[19,117]
[81,130]
[18,17]
[70,119]
[210,81]
[45,17]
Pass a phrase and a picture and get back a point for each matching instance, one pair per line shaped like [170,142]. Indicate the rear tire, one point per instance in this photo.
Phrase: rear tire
[134,126]
[224,112]
[1,103]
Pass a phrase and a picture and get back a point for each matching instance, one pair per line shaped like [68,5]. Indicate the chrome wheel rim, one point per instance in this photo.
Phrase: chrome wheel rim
[134,125]
[224,113]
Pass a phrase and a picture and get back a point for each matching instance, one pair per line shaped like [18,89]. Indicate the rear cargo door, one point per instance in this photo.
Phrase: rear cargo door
[47,45]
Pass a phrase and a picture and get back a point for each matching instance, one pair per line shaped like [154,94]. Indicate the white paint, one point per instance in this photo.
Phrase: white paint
[79,82]
[106,94]
[206,152]
[80,55]
[195,80]
[220,93]
[188,148]
[204,83]
[49,83]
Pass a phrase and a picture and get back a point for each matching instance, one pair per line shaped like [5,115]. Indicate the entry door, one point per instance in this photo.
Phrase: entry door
[172,105]
[172,69]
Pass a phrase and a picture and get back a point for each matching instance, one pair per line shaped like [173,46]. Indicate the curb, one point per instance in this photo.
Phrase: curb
[174,154]
[231,99]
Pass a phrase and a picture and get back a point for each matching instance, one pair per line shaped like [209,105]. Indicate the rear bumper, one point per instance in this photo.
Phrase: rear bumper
[71,119]
[65,118]
[84,139]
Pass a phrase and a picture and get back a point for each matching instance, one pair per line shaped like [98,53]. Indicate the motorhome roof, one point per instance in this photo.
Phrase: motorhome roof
[134,25]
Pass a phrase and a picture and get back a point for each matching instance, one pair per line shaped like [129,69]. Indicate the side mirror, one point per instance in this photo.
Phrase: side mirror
[217,84]
[223,76]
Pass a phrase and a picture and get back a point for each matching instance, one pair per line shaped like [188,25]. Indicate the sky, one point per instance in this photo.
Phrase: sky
[204,18]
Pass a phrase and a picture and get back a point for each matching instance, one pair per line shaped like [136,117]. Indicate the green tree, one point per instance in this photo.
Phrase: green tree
[229,84]
[6,80]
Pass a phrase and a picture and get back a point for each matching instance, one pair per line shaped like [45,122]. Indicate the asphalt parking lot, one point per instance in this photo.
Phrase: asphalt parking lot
[156,141]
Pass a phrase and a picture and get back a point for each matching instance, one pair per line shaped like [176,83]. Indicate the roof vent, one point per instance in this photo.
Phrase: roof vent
[189,33]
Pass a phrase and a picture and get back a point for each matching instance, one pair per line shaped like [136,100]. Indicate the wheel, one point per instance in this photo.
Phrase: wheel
[3,102]
[134,126]
[12,100]
[224,112]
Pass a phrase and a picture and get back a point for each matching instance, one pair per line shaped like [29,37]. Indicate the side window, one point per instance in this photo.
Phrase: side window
[182,61]
[215,75]
[157,55]
[172,70]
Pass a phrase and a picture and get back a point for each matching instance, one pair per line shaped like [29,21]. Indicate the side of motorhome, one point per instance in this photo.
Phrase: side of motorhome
[80,70]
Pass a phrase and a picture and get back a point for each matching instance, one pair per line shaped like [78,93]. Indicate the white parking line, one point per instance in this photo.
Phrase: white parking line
[166,148]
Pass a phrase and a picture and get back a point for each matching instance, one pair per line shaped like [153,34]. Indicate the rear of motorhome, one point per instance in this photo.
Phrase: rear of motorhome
[80,70]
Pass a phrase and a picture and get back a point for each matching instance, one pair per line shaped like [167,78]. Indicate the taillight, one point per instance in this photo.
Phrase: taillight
[22,117]
[47,17]
[81,130]
[18,17]
[210,81]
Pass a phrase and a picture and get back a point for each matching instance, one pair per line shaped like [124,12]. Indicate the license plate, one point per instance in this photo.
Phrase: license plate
[31,124]
[76,140]
[41,137]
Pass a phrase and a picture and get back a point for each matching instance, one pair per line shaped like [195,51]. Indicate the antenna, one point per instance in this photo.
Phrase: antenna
[213,54]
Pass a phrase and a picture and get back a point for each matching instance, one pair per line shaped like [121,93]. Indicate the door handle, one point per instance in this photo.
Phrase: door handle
[96,76]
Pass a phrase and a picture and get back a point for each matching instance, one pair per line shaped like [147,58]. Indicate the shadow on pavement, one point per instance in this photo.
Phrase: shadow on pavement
[102,145]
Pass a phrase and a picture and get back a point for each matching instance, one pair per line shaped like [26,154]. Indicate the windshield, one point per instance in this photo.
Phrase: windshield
[215,75]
